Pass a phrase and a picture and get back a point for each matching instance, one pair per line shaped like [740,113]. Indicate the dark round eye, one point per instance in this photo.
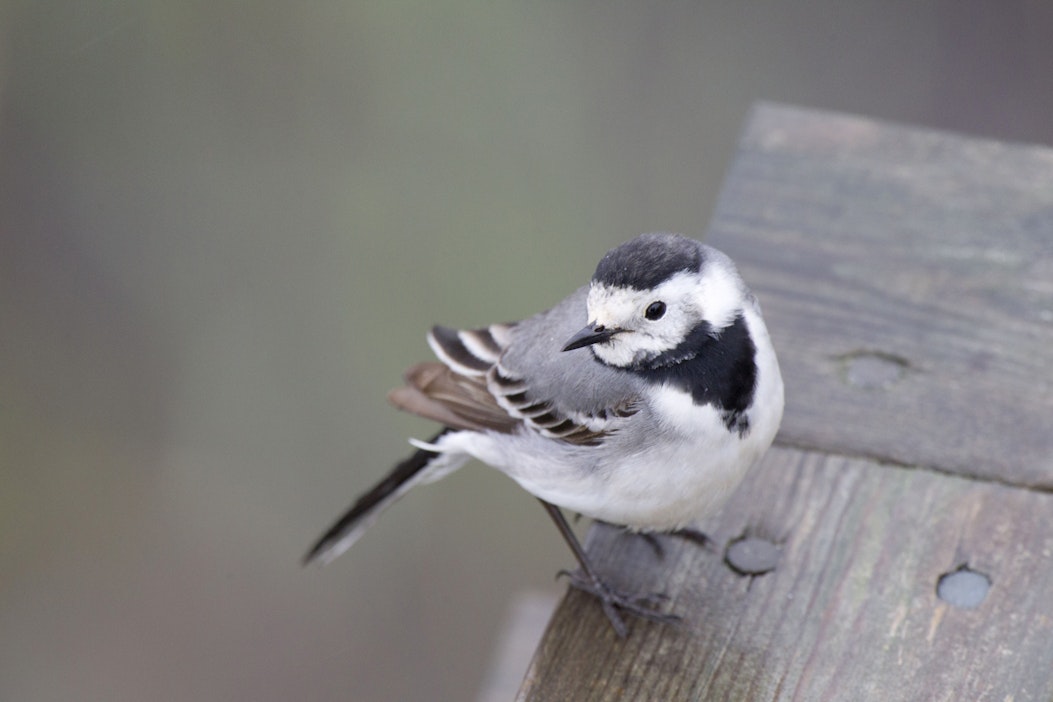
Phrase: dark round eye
[655,310]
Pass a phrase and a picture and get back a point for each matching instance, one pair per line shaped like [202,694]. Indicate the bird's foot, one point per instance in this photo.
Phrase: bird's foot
[613,602]
[653,539]
[696,537]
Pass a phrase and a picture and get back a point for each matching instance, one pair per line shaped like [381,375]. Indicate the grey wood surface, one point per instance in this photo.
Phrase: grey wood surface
[929,250]
[907,278]
[851,611]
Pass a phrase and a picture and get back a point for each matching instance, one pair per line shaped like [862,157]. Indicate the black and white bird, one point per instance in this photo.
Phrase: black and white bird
[640,400]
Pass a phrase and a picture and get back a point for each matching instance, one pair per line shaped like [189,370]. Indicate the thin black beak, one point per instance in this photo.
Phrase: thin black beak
[592,334]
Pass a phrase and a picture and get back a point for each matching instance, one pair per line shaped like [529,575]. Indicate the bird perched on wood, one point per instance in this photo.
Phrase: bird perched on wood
[640,400]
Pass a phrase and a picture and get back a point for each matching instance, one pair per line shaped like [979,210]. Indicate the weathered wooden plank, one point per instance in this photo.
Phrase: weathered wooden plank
[907,279]
[927,254]
[851,610]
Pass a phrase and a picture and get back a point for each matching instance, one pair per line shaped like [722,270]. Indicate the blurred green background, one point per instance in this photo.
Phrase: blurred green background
[224,229]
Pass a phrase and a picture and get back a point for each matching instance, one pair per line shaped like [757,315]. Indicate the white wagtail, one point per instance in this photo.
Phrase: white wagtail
[650,427]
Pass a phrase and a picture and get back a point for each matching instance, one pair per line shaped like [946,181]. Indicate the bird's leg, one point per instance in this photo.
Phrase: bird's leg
[652,538]
[587,580]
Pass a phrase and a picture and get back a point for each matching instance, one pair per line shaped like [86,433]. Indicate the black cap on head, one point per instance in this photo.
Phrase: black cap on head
[648,260]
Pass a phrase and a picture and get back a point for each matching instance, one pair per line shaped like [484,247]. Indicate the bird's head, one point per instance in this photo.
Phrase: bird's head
[655,299]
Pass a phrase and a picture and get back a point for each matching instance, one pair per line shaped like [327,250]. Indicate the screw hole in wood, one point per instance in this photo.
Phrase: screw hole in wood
[873,370]
[751,555]
[963,587]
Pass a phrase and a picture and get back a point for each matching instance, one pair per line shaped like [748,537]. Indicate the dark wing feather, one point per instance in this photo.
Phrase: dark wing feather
[515,396]
[436,392]
[470,390]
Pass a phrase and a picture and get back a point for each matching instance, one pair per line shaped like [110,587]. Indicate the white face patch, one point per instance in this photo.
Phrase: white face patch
[716,296]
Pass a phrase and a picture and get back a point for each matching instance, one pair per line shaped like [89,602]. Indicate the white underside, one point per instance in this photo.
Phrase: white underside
[663,485]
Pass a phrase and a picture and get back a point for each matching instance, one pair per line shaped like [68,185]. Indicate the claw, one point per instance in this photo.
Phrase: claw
[589,581]
[696,537]
[612,601]
[656,545]
[653,539]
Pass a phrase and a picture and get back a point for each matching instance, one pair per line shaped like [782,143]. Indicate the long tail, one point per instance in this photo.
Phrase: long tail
[422,467]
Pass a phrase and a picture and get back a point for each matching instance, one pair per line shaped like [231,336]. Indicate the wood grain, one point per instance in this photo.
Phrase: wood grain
[850,612]
[860,237]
